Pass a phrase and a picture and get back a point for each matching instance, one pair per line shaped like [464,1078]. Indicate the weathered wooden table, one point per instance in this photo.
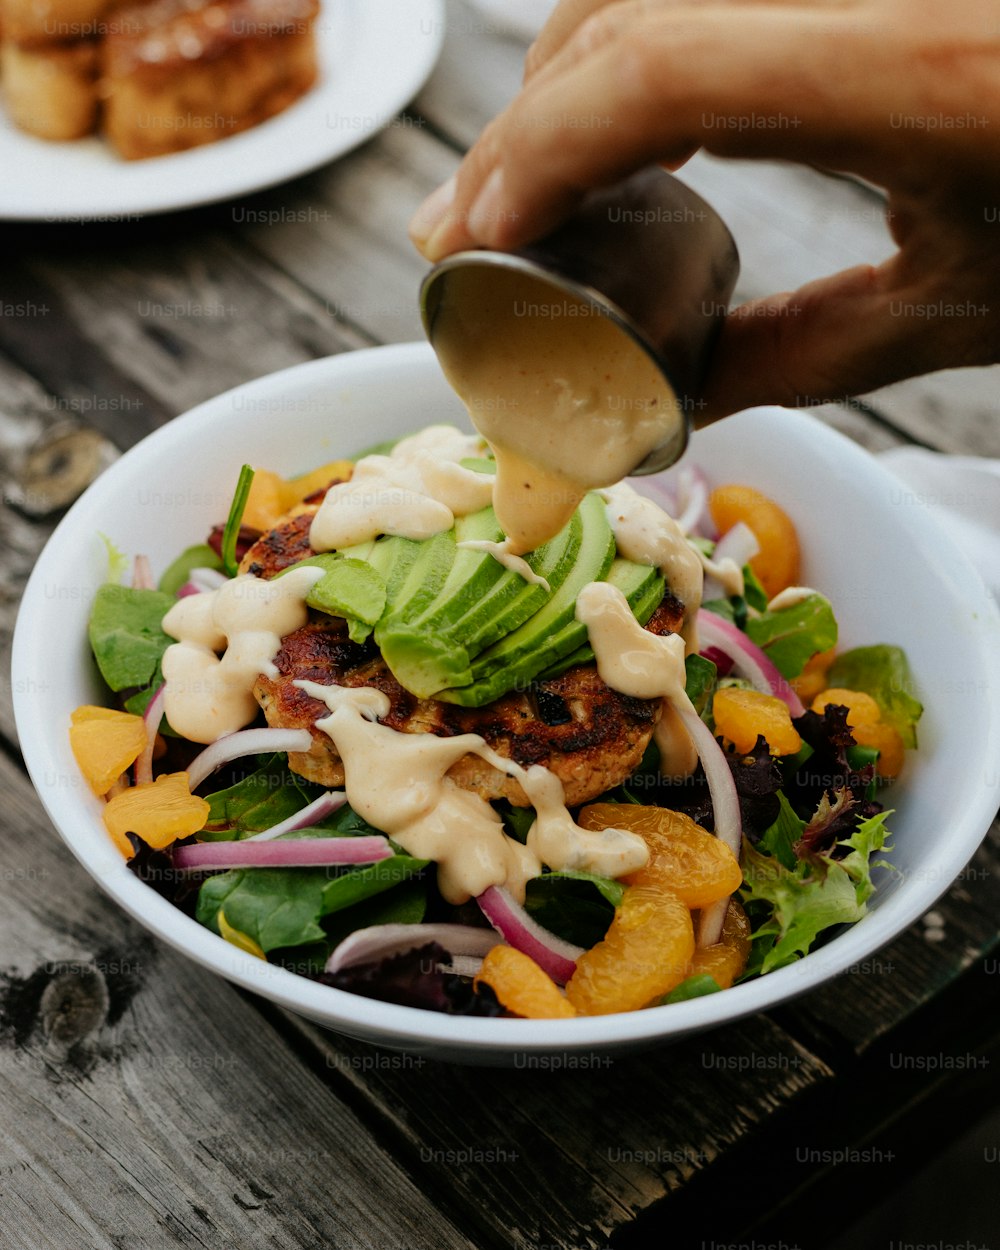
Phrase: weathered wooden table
[147,1104]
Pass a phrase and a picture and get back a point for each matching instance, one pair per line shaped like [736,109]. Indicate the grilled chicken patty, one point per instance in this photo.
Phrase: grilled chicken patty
[589,735]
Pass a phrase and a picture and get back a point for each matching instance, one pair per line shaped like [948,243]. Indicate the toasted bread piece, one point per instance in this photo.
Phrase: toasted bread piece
[181,73]
[51,90]
[36,22]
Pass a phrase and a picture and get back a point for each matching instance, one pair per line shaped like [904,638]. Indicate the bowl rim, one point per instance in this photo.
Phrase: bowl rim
[410,1027]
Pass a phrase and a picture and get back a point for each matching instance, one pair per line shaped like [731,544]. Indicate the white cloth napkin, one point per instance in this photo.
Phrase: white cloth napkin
[963,493]
[522,18]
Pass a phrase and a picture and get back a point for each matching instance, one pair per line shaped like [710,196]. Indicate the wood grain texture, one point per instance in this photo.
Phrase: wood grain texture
[565,1150]
[145,1104]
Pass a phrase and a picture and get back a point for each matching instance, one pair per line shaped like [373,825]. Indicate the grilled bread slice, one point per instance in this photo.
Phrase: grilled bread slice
[181,73]
[51,90]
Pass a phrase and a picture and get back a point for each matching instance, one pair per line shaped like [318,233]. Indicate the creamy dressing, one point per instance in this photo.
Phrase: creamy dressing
[725,571]
[790,597]
[414,492]
[567,400]
[207,696]
[645,533]
[635,662]
[398,783]
[503,555]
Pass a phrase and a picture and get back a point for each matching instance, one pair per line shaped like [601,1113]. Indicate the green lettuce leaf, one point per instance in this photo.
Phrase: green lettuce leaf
[883,672]
[576,906]
[791,636]
[117,561]
[800,903]
[780,837]
[125,634]
[753,592]
[693,987]
[198,557]
[699,681]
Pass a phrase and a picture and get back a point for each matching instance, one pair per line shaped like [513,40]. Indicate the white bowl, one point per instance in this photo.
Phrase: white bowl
[892,574]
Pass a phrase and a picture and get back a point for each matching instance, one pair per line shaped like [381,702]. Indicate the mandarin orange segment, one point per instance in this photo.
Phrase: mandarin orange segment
[725,960]
[740,715]
[265,504]
[105,742]
[812,680]
[777,562]
[644,955]
[159,812]
[522,987]
[299,488]
[683,858]
[865,719]
[861,708]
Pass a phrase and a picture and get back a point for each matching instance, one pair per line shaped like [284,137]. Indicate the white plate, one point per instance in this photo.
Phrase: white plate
[892,574]
[375,55]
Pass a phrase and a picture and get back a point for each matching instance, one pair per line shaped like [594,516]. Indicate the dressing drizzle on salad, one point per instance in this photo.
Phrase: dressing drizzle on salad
[207,696]
[397,782]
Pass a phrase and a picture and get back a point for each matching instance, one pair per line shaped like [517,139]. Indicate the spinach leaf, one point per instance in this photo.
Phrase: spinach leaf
[279,907]
[358,884]
[576,906]
[268,796]
[791,636]
[126,635]
[883,672]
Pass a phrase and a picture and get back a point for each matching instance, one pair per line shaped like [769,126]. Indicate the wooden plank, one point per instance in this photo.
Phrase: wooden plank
[564,1151]
[347,242]
[187,312]
[145,1105]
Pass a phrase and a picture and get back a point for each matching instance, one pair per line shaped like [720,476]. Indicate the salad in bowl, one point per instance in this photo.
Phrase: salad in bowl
[892,580]
[354,736]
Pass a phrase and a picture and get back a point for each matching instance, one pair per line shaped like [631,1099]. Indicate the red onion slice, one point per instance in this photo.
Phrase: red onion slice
[201,580]
[511,921]
[290,853]
[152,717]
[748,659]
[317,810]
[379,941]
[658,490]
[245,742]
[725,806]
[142,574]
[692,500]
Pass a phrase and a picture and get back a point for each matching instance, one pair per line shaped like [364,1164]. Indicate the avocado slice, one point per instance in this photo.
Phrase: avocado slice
[522,654]
[423,651]
[349,588]
[643,588]
[513,600]
[390,557]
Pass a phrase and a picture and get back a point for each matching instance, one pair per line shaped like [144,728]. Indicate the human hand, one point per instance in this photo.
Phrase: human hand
[905,93]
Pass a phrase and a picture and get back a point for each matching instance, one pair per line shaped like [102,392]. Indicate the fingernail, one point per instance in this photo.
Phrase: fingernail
[430,214]
[487,210]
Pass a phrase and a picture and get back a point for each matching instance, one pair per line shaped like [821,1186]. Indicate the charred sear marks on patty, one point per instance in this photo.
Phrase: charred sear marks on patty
[589,735]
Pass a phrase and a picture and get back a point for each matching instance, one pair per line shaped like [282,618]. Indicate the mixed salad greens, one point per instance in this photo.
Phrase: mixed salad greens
[813,825]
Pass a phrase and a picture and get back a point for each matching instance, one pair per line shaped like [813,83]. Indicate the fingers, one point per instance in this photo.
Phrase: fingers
[841,336]
[565,19]
[569,16]
[652,88]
